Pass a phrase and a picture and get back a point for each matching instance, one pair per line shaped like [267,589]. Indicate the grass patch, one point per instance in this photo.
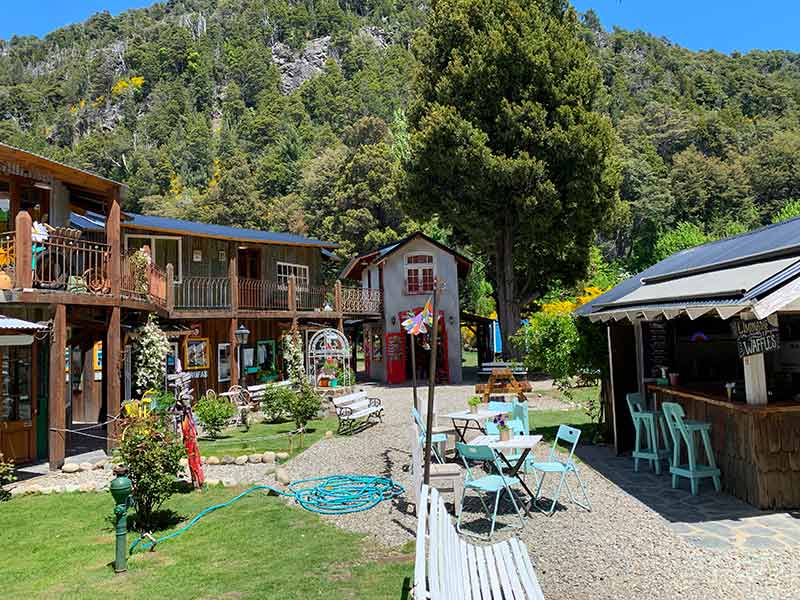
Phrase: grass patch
[469,358]
[262,437]
[579,396]
[546,422]
[62,546]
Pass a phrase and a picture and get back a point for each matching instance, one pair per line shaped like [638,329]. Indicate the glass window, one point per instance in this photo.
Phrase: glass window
[223,362]
[299,272]
[15,387]
[164,250]
[419,273]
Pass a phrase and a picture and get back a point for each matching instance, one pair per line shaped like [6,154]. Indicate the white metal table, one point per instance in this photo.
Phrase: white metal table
[526,443]
[472,421]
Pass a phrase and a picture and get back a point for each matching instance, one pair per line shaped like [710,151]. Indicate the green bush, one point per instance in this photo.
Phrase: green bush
[213,413]
[304,405]
[345,377]
[152,452]
[277,400]
[6,476]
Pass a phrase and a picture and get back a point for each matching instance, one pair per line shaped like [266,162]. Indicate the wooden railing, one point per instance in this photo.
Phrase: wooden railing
[203,293]
[313,297]
[258,294]
[73,264]
[361,300]
[8,255]
[143,281]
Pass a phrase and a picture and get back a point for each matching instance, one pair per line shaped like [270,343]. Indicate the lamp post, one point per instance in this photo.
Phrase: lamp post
[242,333]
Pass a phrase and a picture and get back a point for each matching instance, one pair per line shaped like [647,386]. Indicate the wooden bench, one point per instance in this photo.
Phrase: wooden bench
[450,568]
[353,407]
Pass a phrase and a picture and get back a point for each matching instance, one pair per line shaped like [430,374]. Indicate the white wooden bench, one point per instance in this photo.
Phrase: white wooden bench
[351,408]
[448,567]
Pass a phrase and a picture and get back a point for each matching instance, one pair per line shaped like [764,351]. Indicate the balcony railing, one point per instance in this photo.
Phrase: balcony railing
[361,300]
[203,293]
[313,298]
[143,281]
[61,262]
[8,255]
[258,294]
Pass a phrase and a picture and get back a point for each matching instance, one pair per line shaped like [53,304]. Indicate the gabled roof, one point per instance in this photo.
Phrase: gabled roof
[737,270]
[356,264]
[179,226]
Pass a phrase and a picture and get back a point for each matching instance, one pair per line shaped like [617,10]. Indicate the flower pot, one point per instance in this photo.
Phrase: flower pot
[334,382]
[674,379]
[473,410]
[5,281]
[505,435]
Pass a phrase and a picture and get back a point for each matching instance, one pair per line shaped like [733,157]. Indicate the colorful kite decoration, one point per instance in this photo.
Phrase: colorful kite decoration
[419,323]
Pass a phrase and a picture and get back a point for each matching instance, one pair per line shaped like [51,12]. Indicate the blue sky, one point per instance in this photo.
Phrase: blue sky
[724,25]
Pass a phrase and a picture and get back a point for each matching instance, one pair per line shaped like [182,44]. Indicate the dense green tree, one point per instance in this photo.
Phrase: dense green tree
[681,237]
[507,144]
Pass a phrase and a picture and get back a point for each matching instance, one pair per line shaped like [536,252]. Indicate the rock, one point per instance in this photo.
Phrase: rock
[282,455]
[213,460]
[328,435]
[86,487]
[184,462]
[297,67]
[254,459]
[18,491]
[212,482]
[241,460]
[282,476]
[101,487]
[71,488]
[108,466]
[100,464]
[203,460]
[228,459]
[86,466]
[269,470]
[229,482]
[70,468]
[268,457]
[47,491]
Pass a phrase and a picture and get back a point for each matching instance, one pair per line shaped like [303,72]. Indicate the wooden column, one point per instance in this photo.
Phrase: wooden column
[170,288]
[112,371]
[23,270]
[115,244]
[57,408]
[337,305]
[234,351]
[233,277]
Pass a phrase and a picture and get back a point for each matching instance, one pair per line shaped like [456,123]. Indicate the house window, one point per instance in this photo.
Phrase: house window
[419,273]
[299,272]
[164,250]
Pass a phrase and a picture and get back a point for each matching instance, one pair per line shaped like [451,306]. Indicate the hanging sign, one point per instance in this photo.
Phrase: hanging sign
[755,337]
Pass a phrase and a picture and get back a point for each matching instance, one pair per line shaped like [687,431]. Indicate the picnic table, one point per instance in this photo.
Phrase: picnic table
[524,443]
[472,421]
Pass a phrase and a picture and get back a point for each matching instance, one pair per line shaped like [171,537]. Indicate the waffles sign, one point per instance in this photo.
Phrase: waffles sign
[755,337]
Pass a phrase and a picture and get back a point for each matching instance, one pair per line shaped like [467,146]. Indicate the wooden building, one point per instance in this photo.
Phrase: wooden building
[77,276]
[722,323]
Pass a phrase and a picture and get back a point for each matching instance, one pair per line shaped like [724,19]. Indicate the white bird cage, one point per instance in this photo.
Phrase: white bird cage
[329,360]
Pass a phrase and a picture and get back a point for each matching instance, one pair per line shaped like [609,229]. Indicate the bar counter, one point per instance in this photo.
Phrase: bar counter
[757,447]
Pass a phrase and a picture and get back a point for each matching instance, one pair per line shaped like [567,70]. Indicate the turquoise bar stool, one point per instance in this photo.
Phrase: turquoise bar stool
[645,423]
[684,430]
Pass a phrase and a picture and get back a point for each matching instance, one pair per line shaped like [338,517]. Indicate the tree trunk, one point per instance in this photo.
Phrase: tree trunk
[508,309]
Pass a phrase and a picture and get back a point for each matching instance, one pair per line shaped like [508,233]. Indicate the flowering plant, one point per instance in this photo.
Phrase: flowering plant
[500,421]
[474,400]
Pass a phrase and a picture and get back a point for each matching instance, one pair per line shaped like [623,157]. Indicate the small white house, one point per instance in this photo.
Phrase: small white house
[404,272]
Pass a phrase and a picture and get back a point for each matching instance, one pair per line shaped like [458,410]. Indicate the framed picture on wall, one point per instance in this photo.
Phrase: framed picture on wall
[97,356]
[197,256]
[223,362]
[172,358]
[222,256]
[195,354]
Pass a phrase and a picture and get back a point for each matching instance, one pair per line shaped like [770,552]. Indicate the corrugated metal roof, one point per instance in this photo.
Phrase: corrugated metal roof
[761,245]
[19,324]
[87,223]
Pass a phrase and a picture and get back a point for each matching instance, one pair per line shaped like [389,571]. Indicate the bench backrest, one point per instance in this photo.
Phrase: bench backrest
[348,399]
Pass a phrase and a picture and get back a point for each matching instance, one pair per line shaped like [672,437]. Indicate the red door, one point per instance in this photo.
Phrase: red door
[395,357]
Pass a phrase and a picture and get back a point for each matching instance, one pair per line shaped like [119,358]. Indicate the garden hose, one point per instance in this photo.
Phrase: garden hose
[333,495]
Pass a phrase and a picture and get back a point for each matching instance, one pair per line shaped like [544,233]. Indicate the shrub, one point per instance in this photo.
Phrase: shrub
[6,476]
[276,402]
[304,405]
[151,451]
[345,377]
[213,413]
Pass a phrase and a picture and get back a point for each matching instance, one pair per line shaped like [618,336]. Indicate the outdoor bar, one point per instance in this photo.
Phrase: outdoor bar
[716,330]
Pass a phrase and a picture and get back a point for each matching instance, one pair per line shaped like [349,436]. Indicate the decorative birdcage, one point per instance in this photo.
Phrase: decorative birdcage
[329,360]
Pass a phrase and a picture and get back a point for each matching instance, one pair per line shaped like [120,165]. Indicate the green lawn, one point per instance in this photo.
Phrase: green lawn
[546,422]
[580,395]
[61,546]
[264,436]
[469,358]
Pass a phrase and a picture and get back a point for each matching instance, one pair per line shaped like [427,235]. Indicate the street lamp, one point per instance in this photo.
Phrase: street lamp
[242,333]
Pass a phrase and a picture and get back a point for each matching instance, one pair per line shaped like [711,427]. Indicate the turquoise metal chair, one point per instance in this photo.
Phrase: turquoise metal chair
[521,411]
[645,423]
[436,438]
[684,430]
[570,435]
[517,428]
[488,484]
[505,407]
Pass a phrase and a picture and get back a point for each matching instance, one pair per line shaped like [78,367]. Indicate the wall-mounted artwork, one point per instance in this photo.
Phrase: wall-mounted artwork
[172,358]
[222,256]
[197,256]
[195,352]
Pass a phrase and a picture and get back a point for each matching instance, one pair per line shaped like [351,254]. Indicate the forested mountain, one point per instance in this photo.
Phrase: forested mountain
[290,114]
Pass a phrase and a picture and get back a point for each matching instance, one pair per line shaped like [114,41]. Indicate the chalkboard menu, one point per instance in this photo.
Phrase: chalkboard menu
[657,351]
[755,337]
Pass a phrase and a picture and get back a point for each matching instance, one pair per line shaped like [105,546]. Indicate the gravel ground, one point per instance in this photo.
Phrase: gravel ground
[622,549]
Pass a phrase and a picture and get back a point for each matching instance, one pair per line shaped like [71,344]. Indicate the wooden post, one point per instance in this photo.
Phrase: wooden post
[57,418]
[170,288]
[113,240]
[233,277]
[23,269]
[234,325]
[337,305]
[112,369]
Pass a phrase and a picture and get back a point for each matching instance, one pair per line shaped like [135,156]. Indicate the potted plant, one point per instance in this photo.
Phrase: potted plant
[474,402]
[503,428]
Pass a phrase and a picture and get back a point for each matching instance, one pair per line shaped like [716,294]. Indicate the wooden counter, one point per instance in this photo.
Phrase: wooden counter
[757,447]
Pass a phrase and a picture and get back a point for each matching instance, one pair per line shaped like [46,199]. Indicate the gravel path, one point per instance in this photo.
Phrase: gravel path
[622,549]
